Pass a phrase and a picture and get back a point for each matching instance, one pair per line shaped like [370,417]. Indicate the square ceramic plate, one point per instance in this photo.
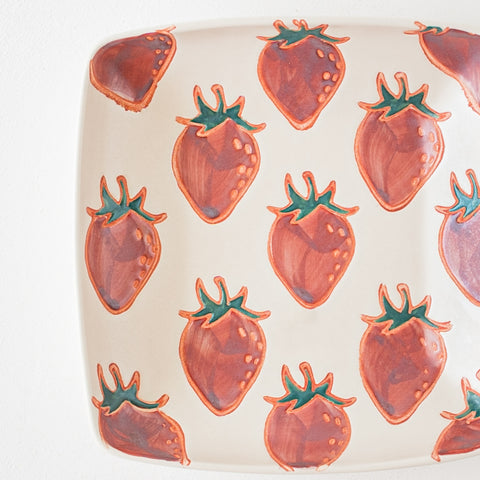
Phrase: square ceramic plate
[279,247]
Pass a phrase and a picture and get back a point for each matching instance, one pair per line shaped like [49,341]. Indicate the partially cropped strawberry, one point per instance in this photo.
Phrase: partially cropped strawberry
[456,53]
[128,70]
[136,427]
[462,434]
[458,238]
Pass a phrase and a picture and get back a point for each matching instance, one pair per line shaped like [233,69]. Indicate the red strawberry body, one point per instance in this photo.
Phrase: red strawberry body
[456,53]
[300,70]
[311,243]
[399,144]
[222,349]
[458,239]
[128,70]
[122,247]
[135,427]
[402,356]
[308,426]
[216,157]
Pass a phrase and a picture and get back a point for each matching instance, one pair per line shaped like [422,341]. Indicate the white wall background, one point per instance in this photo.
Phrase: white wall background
[45,427]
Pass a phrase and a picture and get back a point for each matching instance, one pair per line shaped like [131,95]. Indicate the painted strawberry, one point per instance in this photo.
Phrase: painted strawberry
[458,240]
[216,157]
[300,71]
[402,355]
[456,53]
[462,434]
[399,144]
[307,426]
[128,70]
[122,247]
[134,426]
[311,242]
[222,348]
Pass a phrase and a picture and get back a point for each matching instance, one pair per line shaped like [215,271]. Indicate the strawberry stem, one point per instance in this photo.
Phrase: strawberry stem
[215,310]
[400,316]
[288,36]
[425,29]
[431,28]
[113,399]
[466,204]
[114,209]
[392,104]
[396,317]
[472,399]
[396,103]
[306,205]
[210,117]
[300,396]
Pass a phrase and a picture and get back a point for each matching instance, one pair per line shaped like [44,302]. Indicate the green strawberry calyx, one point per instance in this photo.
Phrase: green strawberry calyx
[391,104]
[114,399]
[395,317]
[212,310]
[426,29]
[287,36]
[472,404]
[466,204]
[209,117]
[116,209]
[303,206]
[298,395]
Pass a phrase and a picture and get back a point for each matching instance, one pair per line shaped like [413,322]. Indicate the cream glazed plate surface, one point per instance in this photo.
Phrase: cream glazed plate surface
[279,244]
